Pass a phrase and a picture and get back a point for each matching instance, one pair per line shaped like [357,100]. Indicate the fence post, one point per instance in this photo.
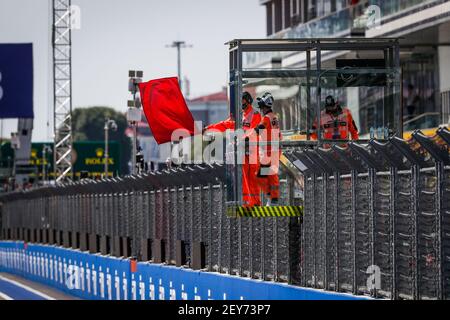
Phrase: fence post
[174,223]
[275,249]
[415,176]
[154,221]
[354,179]
[440,258]
[372,220]
[191,226]
[222,212]
[313,228]
[210,220]
[239,229]
[263,249]
[325,201]
[337,238]
[393,229]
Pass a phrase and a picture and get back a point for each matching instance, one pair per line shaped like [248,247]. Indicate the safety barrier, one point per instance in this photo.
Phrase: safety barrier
[176,217]
[97,277]
[381,209]
[376,220]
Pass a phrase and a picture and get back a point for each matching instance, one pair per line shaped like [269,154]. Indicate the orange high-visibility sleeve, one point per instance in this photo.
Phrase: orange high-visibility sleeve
[222,126]
[265,123]
[352,126]
[313,135]
[256,120]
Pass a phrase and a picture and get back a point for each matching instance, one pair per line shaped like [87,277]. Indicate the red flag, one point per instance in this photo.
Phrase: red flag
[165,108]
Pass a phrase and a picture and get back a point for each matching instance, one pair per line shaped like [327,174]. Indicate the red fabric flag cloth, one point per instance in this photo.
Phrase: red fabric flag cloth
[165,108]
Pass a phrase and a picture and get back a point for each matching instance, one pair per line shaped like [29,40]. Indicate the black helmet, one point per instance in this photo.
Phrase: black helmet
[247,96]
[266,100]
[329,102]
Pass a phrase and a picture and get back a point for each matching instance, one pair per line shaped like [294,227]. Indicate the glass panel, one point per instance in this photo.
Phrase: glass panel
[371,99]
[369,95]
[273,60]
[360,75]
[290,96]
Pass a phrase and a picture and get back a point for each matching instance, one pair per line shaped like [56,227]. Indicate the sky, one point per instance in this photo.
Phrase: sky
[120,35]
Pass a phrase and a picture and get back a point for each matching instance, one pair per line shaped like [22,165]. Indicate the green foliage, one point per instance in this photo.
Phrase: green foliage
[88,125]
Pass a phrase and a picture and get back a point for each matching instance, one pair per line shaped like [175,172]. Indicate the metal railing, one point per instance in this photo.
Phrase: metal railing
[423,121]
[376,222]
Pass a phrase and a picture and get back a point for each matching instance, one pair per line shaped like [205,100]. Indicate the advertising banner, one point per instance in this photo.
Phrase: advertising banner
[16,80]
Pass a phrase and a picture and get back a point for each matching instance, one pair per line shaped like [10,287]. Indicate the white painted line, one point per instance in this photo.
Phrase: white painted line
[43,295]
[5,297]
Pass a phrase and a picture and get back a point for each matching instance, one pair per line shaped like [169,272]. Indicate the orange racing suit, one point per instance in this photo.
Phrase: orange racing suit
[250,187]
[270,152]
[337,126]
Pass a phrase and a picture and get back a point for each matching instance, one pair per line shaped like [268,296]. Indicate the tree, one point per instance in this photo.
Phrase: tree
[88,125]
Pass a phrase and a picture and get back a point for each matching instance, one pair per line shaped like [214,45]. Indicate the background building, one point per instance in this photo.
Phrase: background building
[211,108]
[88,156]
[424,29]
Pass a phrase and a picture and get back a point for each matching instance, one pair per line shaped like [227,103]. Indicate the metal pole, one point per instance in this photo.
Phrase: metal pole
[354,178]
[313,228]
[308,95]
[106,148]
[373,222]
[134,170]
[415,193]
[43,163]
[178,44]
[337,178]
[318,92]
[210,240]
[393,230]
[324,212]
[134,148]
[440,258]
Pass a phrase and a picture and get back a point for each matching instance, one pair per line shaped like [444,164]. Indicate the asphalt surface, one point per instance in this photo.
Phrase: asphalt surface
[16,288]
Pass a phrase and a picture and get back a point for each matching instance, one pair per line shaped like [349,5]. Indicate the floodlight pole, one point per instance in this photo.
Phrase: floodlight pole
[44,157]
[179,45]
[106,148]
[43,165]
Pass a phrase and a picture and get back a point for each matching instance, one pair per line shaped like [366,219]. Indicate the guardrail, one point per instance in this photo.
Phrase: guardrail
[376,222]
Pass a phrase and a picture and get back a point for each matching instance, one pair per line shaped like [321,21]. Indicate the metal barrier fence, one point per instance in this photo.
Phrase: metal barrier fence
[176,217]
[377,217]
[377,220]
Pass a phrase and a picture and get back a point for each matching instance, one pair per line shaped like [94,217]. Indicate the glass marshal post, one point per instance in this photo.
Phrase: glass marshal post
[319,93]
